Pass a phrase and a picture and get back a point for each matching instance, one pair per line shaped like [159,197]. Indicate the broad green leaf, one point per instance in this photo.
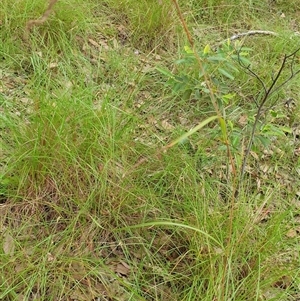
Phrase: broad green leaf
[276,114]
[178,86]
[235,142]
[243,53]
[230,123]
[273,113]
[181,61]
[216,58]
[225,73]
[271,130]
[187,94]
[232,67]
[223,128]
[286,129]
[207,49]
[165,72]
[263,140]
[244,60]
[187,49]
[228,97]
[186,60]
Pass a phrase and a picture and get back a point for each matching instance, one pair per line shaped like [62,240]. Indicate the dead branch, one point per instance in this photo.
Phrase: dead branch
[41,20]
[252,33]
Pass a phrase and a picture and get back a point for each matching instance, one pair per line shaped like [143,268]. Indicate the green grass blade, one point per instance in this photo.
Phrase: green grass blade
[174,224]
[192,131]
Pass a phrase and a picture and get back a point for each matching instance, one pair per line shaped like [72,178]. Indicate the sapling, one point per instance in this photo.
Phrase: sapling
[262,100]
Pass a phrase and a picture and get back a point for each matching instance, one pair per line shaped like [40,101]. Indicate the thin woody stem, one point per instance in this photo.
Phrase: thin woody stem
[41,20]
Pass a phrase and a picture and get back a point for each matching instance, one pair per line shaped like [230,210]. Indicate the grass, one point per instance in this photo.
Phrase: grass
[93,204]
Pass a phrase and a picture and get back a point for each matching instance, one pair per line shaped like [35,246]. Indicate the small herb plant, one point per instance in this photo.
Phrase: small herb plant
[220,66]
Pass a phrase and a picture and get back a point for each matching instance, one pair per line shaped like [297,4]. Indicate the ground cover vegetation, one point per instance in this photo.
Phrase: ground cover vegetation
[150,151]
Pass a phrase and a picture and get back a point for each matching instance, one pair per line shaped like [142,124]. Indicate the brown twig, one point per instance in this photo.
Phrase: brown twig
[187,32]
[39,21]
[252,33]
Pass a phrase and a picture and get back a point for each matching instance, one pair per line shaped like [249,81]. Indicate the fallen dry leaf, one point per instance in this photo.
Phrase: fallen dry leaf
[122,269]
[292,233]
[53,65]
[166,125]
[50,257]
[94,43]
[243,120]
[254,155]
[8,244]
